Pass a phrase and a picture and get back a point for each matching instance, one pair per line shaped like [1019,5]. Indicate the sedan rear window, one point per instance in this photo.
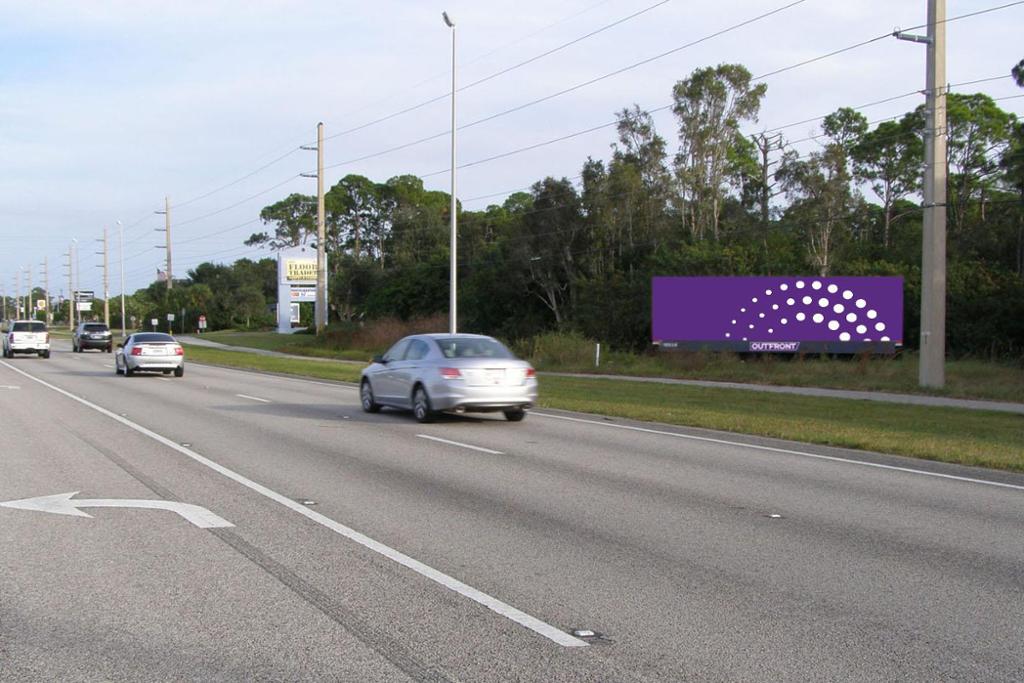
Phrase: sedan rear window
[469,347]
[95,327]
[152,337]
[29,327]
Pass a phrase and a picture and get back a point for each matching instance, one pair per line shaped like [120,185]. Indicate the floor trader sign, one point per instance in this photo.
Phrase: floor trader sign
[296,282]
[783,314]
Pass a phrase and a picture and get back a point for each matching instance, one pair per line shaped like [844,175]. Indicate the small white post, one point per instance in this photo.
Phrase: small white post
[597,355]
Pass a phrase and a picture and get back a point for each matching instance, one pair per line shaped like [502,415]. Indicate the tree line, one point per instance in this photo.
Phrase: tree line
[714,201]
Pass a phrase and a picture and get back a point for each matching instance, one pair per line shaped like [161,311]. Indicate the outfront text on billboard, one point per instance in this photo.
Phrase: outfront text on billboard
[778,314]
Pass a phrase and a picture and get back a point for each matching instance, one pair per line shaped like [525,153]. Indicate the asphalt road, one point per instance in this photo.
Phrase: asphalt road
[372,548]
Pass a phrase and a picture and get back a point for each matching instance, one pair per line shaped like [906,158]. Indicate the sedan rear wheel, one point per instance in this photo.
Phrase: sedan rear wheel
[421,405]
[515,415]
[179,371]
[366,397]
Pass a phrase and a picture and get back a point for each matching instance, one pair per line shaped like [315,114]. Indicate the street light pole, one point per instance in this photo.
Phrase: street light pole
[452,302]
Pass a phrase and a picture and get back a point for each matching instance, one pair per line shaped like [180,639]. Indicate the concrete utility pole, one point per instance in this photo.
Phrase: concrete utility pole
[932,368]
[120,237]
[47,315]
[321,235]
[71,290]
[932,362]
[17,295]
[78,281]
[30,309]
[452,298]
[106,281]
[167,229]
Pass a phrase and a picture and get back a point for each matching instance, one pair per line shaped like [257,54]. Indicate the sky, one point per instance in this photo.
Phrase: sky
[108,107]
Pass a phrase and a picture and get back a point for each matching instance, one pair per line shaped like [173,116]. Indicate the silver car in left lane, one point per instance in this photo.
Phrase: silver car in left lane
[429,373]
[150,351]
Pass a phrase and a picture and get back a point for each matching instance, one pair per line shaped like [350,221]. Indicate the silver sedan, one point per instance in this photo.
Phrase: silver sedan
[428,373]
[150,351]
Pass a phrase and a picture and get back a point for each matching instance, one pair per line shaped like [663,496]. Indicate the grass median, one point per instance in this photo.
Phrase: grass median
[967,437]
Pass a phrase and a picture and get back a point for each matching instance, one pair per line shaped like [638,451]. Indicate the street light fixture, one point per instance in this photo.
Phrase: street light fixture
[453,313]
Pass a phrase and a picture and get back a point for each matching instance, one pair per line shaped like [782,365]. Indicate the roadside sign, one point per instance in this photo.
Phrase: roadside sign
[295,318]
[40,304]
[202,322]
[170,317]
[84,295]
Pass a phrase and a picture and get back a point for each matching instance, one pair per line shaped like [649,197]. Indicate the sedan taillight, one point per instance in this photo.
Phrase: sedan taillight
[451,373]
[178,351]
[530,373]
[136,350]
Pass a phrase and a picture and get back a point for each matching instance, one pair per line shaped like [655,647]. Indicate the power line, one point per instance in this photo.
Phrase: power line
[573,88]
[485,55]
[492,76]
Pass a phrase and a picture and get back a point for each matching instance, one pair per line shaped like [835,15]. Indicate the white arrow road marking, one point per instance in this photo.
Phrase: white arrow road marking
[253,398]
[461,445]
[62,504]
[504,609]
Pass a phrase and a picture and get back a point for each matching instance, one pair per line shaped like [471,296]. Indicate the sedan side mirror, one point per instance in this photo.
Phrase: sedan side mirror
[120,346]
[380,359]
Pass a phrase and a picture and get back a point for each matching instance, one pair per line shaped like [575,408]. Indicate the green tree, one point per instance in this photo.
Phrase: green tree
[890,159]
[710,105]
[823,201]
[978,132]
[294,221]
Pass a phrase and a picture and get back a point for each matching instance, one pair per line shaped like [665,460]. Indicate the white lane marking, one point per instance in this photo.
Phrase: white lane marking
[508,611]
[9,386]
[462,445]
[783,450]
[253,398]
[164,379]
[107,365]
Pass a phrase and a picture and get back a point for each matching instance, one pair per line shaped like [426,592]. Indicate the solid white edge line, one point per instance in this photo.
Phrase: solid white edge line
[352,386]
[783,450]
[253,398]
[534,624]
[461,445]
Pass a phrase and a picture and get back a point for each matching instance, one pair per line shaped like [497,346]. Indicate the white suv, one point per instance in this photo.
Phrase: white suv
[26,336]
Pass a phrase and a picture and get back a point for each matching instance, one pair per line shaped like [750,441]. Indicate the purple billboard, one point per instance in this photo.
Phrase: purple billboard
[783,314]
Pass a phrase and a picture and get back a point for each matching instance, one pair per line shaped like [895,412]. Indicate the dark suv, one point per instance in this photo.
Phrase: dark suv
[92,336]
